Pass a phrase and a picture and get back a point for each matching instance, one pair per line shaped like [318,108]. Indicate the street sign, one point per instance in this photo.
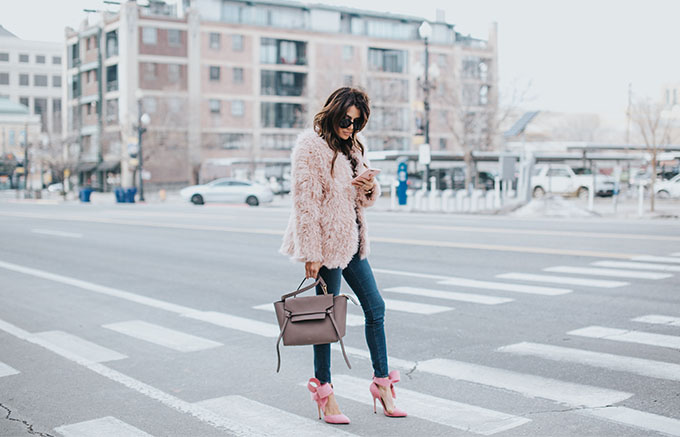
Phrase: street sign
[424,154]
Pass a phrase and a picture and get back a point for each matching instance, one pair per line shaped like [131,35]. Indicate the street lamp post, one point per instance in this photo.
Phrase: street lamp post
[425,32]
[142,122]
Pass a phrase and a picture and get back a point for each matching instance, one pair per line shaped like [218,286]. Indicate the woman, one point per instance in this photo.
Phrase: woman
[327,231]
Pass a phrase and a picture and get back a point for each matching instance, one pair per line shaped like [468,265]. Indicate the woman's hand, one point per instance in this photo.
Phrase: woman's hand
[312,269]
[366,185]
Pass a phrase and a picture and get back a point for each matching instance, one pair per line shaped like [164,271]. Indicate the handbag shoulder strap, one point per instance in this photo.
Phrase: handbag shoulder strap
[298,291]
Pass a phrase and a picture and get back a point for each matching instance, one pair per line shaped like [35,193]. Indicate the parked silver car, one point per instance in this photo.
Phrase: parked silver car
[228,190]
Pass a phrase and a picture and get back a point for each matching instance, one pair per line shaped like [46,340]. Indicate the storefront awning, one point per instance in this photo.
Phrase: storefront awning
[112,166]
[84,167]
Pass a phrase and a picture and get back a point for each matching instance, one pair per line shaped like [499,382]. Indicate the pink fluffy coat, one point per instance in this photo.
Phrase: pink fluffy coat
[323,223]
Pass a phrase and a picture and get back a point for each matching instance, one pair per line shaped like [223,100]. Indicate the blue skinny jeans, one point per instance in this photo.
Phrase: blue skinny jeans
[359,276]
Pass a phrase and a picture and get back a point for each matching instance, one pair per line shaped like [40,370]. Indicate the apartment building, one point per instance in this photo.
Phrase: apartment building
[31,75]
[228,84]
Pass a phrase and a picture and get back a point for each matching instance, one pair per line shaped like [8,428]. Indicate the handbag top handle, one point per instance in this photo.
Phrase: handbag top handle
[298,291]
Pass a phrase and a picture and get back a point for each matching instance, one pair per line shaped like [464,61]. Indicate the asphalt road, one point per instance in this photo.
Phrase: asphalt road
[156,320]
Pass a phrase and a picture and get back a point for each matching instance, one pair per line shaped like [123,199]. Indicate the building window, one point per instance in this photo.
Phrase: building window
[442,143]
[149,36]
[347,53]
[4,78]
[282,115]
[56,60]
[112,78]
[215,40]
[348,80]
[234,141]
[150,71]
[40,80]
[174,38]
[75,55]
[149,104]
[484,95]
[215,106]
[237,43]
[174,73]
[39,59]
[4,57]
[24,101]
[392,61]
[238,108]
[87,47]
[23,79]
[56,81]
[75,86]
[675,96]
[238,75]
[215,74]
[112,110]
[23,58]
[282,83]
[111,44]
[274,51]
[12,137]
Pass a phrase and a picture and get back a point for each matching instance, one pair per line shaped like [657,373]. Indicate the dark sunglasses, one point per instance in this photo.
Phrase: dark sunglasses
[346,122]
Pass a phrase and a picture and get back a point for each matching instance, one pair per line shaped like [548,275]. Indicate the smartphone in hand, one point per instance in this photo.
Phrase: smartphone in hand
[366,175]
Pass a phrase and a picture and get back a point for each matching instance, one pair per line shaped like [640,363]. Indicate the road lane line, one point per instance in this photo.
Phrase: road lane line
[514,231]
[657,319]
[57,233]
[414,307]
[568,393]
[608,272]
[628,336]
[219,319]
[621,363]
[659,259]
[102,427]
[636,266]
[235,322]
[266,418]
[445,412]
[79,346]
[473,283]
[637,419]
[562,280]
[162,336]
[166,399]
[377,239]
[352,319]
[6,370]
[450,295]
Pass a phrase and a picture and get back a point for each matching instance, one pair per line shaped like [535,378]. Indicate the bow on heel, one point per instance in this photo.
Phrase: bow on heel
[319,394]
[391,379]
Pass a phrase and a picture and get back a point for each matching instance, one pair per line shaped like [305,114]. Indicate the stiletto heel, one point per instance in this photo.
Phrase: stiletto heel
[320,393]
[386,382]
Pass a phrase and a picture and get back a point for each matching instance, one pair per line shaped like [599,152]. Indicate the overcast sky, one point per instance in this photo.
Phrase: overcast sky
[579,55]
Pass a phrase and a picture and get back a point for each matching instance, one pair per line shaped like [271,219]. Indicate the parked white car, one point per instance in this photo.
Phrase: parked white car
[561,179]
[668,188]
[228,190]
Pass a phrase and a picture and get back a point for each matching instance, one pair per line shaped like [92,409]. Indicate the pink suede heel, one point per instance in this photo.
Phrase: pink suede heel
[386,382]
[320,395]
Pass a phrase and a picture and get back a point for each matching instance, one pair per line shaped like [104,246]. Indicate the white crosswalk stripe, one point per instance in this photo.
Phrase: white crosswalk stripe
[628,336]
[562,280]
[414,307]
[445,412]
[637,419]
[6,370]
[636,266]
[363,353]
[657,259]
[607,272]
[532,386]
[657,319]
[162,336]
[450,295]
[473,283]
[269,420]
[81,347]
[352,319]
[621,363]
[103,427]
[235,322]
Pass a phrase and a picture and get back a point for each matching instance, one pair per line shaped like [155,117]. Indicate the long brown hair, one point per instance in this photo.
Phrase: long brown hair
[327,120]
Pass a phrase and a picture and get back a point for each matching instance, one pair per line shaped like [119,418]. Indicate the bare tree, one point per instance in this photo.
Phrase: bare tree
[655,126]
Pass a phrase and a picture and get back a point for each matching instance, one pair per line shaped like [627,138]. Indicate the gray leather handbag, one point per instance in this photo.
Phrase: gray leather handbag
[311,319]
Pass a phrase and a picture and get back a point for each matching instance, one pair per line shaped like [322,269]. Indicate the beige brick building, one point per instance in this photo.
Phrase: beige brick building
[228,84]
